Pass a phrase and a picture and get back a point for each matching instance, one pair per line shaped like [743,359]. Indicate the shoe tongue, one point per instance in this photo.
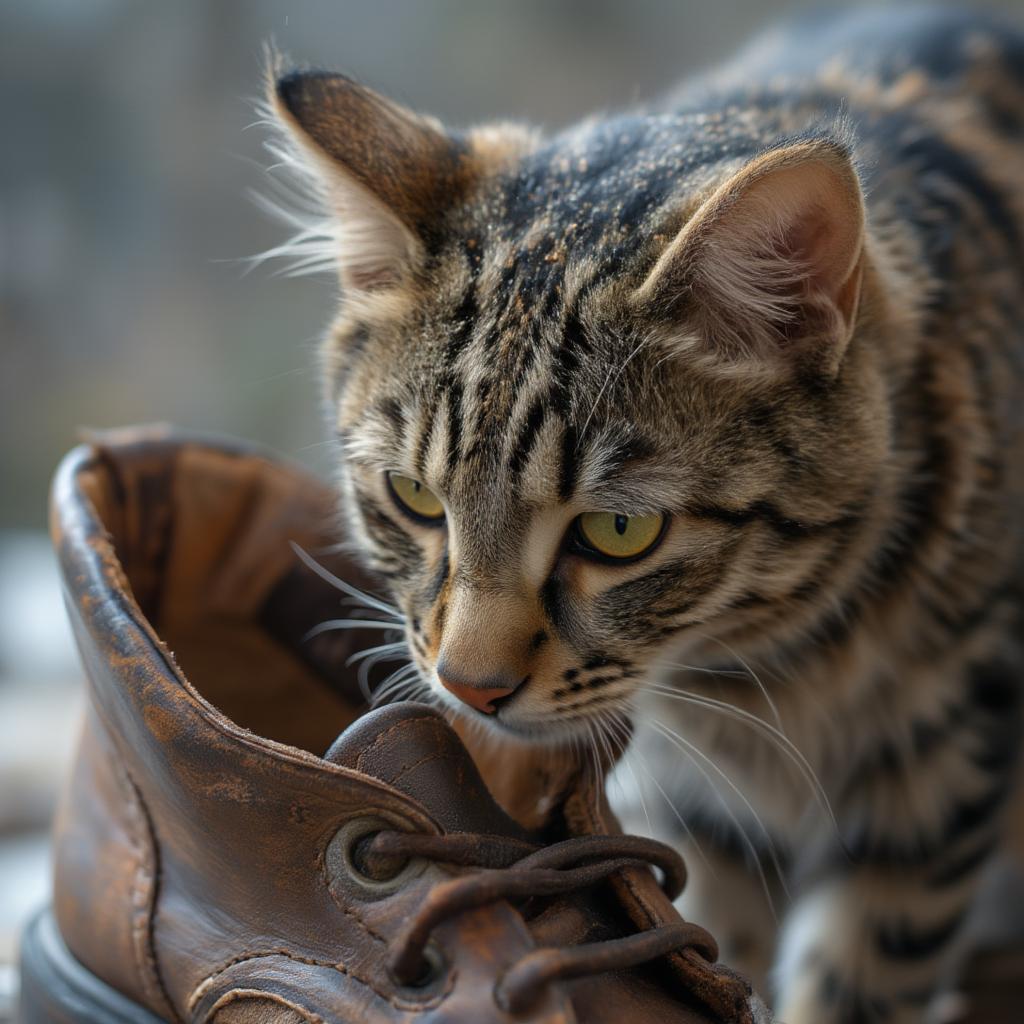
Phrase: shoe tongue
[411,747]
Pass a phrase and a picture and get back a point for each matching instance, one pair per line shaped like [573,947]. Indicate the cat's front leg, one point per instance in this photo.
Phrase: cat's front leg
[874,945]
[873,933]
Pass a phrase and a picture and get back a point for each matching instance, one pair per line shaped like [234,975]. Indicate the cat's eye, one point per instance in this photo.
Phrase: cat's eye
[619,537]
[416,500]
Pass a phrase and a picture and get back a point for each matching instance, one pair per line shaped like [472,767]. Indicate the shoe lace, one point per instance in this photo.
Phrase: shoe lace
[513,870]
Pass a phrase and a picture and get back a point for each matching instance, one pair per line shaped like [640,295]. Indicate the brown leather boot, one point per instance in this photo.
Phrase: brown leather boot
[211,866]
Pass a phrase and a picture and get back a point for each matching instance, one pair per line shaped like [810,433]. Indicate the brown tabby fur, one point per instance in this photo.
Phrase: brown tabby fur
[785,309]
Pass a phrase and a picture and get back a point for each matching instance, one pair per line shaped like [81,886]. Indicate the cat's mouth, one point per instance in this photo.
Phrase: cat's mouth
[505,713]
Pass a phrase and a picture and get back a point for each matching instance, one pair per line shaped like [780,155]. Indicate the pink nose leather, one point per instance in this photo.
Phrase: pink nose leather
[476,696]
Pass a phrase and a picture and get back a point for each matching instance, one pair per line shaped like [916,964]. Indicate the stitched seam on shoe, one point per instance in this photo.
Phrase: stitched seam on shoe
[385,737]
[144,890]
[349,912]
[359,920]
[234,995]
[396,1001]
[426,759]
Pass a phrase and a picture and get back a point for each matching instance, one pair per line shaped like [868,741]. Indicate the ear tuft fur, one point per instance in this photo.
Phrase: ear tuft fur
[386,175]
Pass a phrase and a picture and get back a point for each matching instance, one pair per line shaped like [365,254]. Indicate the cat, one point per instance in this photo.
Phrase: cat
[701,423]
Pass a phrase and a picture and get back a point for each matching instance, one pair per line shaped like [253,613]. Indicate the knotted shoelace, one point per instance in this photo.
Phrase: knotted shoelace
[513,870]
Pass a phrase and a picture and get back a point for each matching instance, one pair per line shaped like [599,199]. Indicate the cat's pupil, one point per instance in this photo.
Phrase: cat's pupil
[416,486]
[621,522]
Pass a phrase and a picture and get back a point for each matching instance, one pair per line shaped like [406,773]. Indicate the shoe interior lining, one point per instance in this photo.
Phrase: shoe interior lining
[203,536]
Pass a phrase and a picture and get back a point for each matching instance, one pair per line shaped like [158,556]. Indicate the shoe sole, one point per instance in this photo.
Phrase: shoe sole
[57,989]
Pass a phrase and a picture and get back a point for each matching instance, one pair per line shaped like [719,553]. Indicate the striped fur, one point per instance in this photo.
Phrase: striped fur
[645,314]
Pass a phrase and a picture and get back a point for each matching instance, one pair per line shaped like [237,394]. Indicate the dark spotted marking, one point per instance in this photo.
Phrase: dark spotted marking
[527,436]
[903,940]
[959,869]
[964,818]
[355,346]
[594,683]
[601,698]
[764,512]
[440,577]
[454,400]
[568,470]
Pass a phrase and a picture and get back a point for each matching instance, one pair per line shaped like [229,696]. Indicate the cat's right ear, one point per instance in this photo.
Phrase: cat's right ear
[386,173]
[381,170]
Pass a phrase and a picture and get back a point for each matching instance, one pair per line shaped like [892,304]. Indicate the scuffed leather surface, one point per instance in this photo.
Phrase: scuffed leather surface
[191,870]
[446,778]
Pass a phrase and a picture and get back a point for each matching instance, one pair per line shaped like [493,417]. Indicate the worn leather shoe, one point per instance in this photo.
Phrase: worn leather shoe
[242,841]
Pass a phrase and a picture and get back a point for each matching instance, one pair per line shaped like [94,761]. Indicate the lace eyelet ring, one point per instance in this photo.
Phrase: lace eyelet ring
[341,858]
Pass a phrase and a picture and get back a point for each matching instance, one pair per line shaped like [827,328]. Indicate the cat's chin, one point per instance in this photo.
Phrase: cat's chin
[534,733]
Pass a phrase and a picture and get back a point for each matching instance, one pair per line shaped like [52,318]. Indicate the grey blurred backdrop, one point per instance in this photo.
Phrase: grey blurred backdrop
[126,160]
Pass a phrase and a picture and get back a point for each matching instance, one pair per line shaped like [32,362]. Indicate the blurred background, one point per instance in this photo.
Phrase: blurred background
[127,162]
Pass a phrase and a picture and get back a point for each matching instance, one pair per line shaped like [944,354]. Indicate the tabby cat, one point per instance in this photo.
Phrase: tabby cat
[702,423]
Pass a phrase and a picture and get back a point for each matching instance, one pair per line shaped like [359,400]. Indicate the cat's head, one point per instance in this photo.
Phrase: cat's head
[601,399]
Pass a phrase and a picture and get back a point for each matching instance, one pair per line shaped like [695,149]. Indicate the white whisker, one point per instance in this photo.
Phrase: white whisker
[335,581]
[692,751]
[613,728]
[691,838]
[334,624]
[753,675]
[401,679]
[610,381]
[778,739]
[396,647]
[372,657]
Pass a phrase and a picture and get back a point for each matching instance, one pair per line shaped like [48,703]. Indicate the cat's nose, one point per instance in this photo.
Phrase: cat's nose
[479,694]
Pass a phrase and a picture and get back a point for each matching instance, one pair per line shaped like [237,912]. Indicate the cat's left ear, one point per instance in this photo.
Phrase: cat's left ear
[769,267]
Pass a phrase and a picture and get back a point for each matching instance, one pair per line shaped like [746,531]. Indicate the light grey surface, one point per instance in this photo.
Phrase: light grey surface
[8,992]
[40,705]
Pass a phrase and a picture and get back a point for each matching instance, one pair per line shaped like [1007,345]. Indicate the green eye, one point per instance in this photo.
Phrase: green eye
[620,537]
[414,499]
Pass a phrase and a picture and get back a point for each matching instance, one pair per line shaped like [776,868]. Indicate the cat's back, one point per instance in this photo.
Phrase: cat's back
[914,52]
[891,75]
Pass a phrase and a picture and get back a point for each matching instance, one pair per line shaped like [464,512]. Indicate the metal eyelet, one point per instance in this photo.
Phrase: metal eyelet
[343,857]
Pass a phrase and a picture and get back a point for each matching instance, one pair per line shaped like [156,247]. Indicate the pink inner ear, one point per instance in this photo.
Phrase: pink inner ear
[770,264]
[806,243]
[817,232]
[824,233]
[830,246]
[813,242]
